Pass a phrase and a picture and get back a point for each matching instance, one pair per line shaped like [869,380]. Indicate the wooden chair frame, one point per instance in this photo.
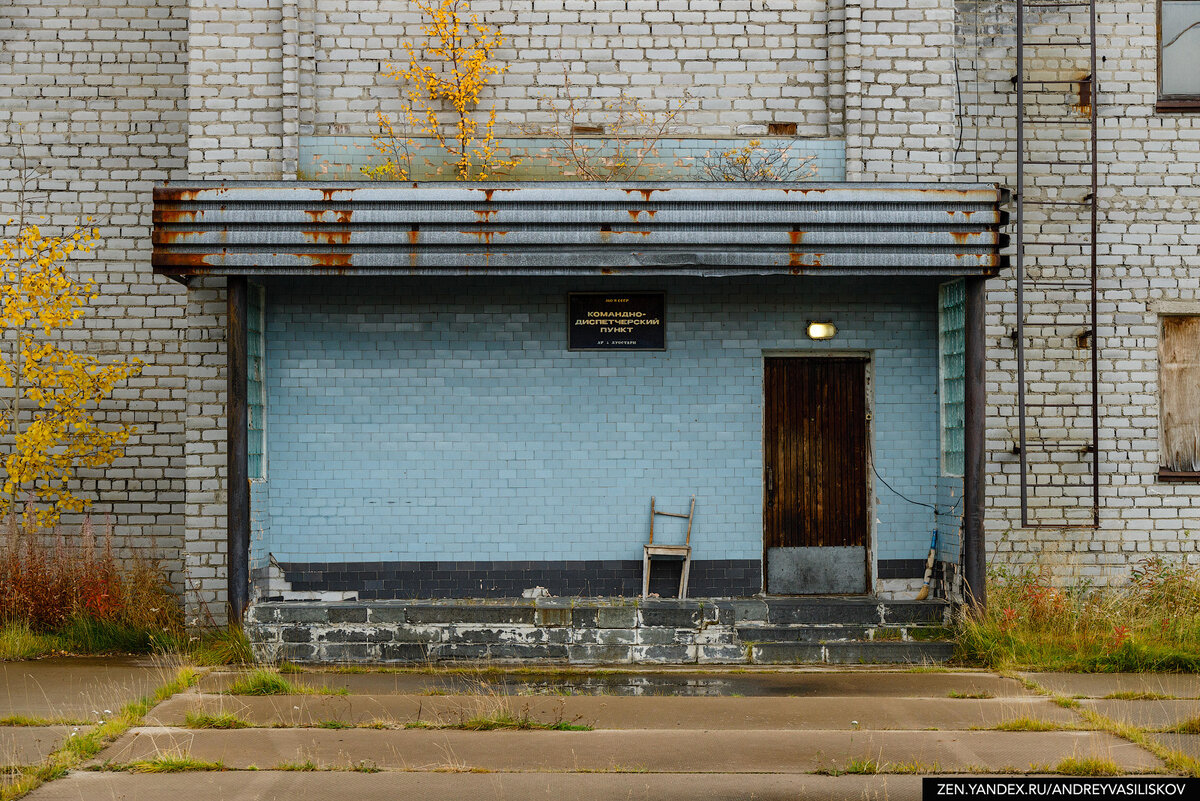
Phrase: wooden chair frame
[684,551]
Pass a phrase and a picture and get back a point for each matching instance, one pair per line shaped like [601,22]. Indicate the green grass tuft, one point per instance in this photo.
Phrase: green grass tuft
[169,763]
[1189,726]
[224,720]
[227,646]
[304,767]
[334,724]
[26,720]
[1088,766]
[1138,696]
[1026,724]
[975,695]
[854,766]
[264,682]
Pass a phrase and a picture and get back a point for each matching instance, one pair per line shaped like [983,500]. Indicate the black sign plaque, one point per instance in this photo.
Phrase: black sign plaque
[616,321]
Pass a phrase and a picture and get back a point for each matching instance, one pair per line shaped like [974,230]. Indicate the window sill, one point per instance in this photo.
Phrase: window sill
[1178,476]
[1177,106]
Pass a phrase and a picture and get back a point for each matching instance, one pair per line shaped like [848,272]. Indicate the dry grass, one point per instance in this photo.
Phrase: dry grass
[1028,724]
[48,579]
[224,720]
[1151,624]
[1088,766]
[63,593]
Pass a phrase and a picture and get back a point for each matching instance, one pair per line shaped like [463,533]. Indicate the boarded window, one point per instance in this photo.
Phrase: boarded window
[1179,393]
[1179,50]
[952,367]
[256,457]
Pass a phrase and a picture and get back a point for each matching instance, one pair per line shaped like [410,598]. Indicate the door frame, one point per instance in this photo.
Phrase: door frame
[868,357]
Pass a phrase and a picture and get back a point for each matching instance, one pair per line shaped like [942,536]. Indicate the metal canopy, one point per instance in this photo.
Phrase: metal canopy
[698,229]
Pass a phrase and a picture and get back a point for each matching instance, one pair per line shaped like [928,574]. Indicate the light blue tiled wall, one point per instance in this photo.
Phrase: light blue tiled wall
[342,158]
[445,420]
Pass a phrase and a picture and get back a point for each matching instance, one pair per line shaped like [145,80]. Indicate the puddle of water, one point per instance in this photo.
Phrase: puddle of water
[628,685]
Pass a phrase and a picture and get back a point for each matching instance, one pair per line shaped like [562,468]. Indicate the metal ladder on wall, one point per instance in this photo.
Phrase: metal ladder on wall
[1058,404]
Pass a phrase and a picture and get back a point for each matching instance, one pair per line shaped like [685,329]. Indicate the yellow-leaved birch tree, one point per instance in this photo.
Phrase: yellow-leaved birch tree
[49,425]
[444,80]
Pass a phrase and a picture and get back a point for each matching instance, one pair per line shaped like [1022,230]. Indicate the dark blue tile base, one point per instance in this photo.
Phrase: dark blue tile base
[710,578]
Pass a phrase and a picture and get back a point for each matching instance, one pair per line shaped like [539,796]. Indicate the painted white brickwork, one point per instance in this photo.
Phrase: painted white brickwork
[1149,264]
[115,95]
[96,91]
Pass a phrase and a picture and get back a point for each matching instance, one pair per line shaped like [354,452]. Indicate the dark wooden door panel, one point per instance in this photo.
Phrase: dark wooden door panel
[816,448]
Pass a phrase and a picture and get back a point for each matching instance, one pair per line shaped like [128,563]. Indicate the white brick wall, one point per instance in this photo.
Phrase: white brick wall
[97,88]
[1149,260]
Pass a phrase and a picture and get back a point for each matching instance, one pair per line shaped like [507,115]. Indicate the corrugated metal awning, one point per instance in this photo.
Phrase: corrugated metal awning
[702,229]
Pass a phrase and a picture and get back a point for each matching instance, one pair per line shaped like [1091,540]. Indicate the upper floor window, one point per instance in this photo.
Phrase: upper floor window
[1179,398]
[1178,55]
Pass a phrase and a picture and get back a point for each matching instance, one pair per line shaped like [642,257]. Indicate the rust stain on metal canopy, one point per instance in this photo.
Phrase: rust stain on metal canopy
[485,237]
[487,193]
[179,215]
[796,259]
[332,261]
[327,237]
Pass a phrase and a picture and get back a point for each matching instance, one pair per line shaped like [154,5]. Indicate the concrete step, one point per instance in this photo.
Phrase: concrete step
[861,611]
[755,633]
[852,652]
[589,631]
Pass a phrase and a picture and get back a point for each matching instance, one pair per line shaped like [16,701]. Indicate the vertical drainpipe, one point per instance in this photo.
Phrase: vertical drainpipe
[974,425]
[238,588]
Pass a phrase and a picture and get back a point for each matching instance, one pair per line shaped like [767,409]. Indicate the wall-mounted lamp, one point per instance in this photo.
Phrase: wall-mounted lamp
[821,330]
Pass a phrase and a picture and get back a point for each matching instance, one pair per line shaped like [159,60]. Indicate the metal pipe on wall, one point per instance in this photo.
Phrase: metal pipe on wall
[238,553]
[974,430]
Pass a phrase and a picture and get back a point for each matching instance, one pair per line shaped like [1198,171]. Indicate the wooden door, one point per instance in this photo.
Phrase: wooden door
[815,525]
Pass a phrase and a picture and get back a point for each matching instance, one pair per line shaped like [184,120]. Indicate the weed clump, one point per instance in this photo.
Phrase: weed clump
[264,682]
[1088,766]
[1150,624]
[73,595]
[224,720]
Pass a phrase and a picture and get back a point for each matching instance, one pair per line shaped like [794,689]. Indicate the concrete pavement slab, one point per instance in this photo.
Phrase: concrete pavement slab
[1098,685]
[260,785]
[623,712]
[1146,714]
[1187,743]
[778,683]
[664,751]
[29,745]
[77,688]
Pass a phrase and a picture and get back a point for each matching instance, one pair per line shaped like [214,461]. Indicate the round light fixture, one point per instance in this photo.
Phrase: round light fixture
[821,330]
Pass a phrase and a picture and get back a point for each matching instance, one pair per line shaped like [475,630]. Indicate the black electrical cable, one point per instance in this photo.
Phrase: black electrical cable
[910,500]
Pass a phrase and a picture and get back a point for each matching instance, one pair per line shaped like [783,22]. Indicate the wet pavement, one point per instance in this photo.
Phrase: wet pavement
[429,786]
[713,683]
[652,734]
[29,745]
[77,692]
[1099,685]
[622,712]
[1147,714]
[690,751]
[81,688]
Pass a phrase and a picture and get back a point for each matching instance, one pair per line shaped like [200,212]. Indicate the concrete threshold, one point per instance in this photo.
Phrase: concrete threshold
[622,712]
[658,681]
[756,751]
[241,786]
[29,745]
